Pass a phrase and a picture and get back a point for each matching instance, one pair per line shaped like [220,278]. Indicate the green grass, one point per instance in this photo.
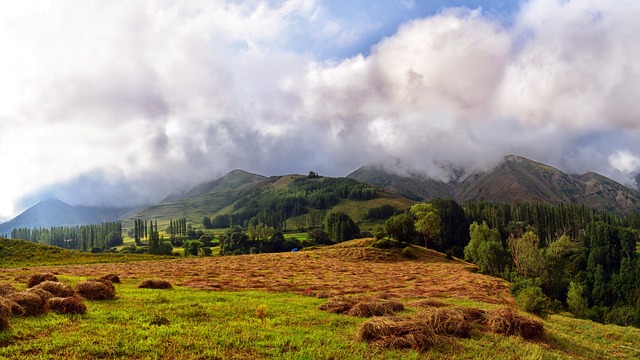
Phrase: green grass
[20,253]
[194,324]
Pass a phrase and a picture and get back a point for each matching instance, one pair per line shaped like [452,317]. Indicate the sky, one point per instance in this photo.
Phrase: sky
[121,103]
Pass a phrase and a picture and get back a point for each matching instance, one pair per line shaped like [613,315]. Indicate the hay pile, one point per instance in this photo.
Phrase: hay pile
[56,288]
[45,295]
[32,304]
[155,284]
[397,333]
[36,279]
[15,308]
[438,324]
[67,305]
[115,279]
[362,307]
[507,321]
[5,314]
[95,290]
[6,289]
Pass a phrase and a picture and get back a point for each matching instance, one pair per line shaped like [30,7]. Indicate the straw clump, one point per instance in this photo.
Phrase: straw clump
[14,307]
[155,284]
[45,295]
[58,289]
[444,321]
[5,316]
[95,290]
[507,321]
[115,279]
[31,303]
[6,289]
[397,333]
[362,307]
[67,305]
[36,279]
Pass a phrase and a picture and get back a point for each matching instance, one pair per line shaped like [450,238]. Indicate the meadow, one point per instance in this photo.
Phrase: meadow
[212,310]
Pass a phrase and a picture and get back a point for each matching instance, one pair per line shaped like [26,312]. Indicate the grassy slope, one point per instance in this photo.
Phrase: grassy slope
[20,253]
[223,324]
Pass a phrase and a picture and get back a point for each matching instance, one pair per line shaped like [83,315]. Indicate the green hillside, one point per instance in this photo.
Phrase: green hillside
[289,202]
[20,253]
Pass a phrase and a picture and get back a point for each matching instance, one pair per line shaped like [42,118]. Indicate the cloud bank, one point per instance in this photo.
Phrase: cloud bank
[118,102]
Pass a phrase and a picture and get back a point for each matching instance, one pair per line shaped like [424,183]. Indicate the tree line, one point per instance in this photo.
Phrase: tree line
[83,237]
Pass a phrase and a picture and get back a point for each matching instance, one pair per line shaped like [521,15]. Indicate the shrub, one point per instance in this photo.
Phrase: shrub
[409,253]
[449,254]
[387,244]
[95,290]
[155,284]
[36,279]
[531,299]
[32,304]
[56,288]
[261,311]
[68,305]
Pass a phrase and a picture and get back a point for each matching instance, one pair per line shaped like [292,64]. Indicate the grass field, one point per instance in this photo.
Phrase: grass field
[211,311]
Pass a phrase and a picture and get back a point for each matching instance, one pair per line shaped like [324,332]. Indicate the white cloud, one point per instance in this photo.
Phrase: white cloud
[154,96]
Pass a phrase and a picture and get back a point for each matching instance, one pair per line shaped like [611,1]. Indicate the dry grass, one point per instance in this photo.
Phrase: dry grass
[36,279]
[95,290]
[15,308]
[5,314]
[106,282]
[45,295]
[363,306]
[56,288]
[67,305]
[429,303]
[155,284]
[32,304]
[6,289]
[446,321]
[115,279]
[507,321]
[343,269]
[398,333]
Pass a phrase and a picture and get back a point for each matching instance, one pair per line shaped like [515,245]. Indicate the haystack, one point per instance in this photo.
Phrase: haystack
[45,295]
[95,290]
[507,321]
[67,305]
[106,282]
[396,333]
[111,277]
[445,321]
[36,279]
[5,316]
[32,304]
[375,307]
[338,304]
[155,284]
[6,289]
[15,308]
[58,289]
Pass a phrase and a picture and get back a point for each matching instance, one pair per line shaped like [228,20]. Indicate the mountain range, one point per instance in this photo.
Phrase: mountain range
[240,194]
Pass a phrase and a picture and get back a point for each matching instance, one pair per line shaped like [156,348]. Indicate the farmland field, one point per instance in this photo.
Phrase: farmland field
[211,312]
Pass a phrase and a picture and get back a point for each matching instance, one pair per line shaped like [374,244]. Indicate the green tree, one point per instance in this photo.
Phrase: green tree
[206,223]
[527,256]
[341,227]
[577,303]
[400,227]
[427,221]
[485,249]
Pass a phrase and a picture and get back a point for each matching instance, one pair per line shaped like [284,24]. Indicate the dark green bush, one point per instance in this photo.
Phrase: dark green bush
[409,253]
[532,299]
